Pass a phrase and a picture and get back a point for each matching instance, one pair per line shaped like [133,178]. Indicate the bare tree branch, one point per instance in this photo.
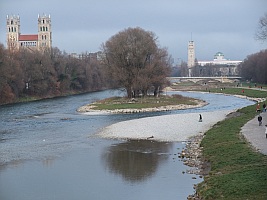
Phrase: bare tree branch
[261,33]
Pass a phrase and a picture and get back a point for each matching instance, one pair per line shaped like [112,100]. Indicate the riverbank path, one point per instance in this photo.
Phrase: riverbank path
[255,134]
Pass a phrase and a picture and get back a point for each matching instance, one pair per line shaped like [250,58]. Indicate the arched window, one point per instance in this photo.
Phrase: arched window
[9,29]
[43,28]
[12,29]
[45,37]
[46,28]
[42,37]
[40,28]
[11,22]
[43,21]
[15,29]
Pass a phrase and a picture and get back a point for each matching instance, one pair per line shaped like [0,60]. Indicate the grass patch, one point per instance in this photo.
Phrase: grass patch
[237,171]
[241,91]
[138,103]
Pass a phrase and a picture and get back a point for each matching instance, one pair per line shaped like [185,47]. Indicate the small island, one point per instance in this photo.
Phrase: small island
[142,104]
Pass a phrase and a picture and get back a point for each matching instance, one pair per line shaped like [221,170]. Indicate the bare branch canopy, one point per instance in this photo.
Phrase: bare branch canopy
[135,62]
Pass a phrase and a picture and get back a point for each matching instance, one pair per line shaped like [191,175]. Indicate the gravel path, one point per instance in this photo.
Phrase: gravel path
[177,127]
[255,134]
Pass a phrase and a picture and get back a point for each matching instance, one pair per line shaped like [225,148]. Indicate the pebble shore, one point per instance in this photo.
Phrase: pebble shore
[169,128]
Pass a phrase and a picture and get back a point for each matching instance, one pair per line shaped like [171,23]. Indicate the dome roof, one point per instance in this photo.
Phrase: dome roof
[219,54]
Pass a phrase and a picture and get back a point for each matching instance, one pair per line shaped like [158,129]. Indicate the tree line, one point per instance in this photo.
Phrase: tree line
[254,67]
[47,74]
[130,60]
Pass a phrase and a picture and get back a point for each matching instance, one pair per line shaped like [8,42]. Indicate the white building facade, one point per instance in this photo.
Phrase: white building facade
[219,66]
[219,60]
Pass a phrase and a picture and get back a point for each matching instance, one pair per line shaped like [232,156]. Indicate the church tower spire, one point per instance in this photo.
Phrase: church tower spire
[44,32]
[13,32]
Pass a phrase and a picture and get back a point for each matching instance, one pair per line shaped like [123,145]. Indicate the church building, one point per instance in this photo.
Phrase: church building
[40,41]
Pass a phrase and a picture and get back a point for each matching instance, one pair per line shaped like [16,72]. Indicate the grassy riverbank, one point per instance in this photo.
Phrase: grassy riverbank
[237,171]
[241,91]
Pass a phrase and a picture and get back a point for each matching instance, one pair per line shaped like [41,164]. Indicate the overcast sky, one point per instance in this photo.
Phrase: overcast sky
[78,26]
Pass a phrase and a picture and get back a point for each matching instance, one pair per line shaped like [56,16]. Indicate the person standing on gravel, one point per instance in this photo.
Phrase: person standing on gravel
[260,120]
[200,118]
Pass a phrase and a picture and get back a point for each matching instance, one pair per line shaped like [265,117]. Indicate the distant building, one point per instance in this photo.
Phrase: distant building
[220,60]
[219,66]
[191,57]
[40,41]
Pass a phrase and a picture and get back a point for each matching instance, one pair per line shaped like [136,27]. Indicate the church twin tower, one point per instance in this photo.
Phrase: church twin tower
[16,40]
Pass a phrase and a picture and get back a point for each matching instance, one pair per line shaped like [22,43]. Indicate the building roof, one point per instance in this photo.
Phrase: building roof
[28,37]
[219,54]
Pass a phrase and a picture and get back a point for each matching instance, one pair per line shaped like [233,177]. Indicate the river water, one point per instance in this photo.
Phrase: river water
[49,151]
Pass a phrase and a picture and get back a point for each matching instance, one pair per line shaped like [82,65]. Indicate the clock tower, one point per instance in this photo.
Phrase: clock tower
[13,32]
[191,57]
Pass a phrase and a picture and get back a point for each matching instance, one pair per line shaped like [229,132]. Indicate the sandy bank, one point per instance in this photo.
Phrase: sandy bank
[177,127]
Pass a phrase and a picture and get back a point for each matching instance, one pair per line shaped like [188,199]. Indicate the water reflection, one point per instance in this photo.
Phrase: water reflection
[136,160]
[48,162]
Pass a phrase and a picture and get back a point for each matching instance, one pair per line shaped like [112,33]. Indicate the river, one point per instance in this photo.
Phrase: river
[49,151]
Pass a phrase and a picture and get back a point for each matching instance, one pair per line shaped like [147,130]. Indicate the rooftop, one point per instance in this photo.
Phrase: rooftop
[28,37]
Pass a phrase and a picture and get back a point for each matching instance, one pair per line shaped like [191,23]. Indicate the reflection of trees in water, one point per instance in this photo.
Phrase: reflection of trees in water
[48,162]
[136,160]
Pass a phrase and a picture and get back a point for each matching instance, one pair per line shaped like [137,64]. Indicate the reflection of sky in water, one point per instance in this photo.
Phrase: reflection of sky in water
[217,101]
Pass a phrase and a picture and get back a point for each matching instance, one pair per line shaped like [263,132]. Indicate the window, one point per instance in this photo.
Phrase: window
[40,28]
[11,22]
[43,21]
[46,28]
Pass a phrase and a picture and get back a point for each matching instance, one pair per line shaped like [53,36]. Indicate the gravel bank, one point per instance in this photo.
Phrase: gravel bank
[171,128]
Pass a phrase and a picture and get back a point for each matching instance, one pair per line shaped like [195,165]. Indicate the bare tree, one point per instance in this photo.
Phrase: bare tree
[131,57]
[261,33]
[183,69]
[254,67]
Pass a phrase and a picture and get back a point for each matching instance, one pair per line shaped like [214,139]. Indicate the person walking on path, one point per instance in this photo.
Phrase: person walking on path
[264,107]
[260,120]
[254,133]
[258,108]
